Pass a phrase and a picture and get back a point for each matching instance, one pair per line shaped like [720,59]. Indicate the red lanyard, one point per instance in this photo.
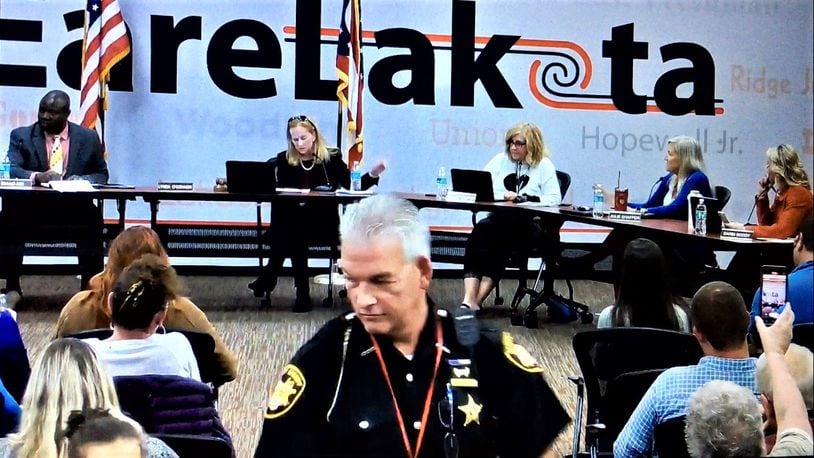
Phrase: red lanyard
[439,343]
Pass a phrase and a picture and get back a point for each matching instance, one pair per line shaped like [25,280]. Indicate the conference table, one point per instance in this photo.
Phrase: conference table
[675,231]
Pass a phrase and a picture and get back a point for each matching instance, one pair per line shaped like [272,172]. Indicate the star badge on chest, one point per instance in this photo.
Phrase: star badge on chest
[471,409]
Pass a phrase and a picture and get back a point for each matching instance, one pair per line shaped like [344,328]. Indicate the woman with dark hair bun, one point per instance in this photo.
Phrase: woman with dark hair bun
[138,307]
[644,298]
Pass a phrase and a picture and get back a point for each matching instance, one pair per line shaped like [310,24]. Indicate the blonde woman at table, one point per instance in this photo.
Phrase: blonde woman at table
[307,163]
[684,163]
[522,172]
[792,203]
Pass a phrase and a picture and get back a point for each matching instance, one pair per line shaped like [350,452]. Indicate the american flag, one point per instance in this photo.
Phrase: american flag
[349,70]
[105,43]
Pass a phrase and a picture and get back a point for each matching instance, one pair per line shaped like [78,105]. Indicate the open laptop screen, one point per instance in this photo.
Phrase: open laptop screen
[251,177]
[478,182]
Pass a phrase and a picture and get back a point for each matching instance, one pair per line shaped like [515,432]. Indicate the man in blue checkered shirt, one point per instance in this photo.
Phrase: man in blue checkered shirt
[720,323]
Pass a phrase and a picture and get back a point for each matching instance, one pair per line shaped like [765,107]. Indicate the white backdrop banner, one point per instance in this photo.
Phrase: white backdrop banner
[607,81]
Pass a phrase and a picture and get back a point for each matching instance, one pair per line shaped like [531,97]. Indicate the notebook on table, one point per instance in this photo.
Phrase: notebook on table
[478,182]
[251,177]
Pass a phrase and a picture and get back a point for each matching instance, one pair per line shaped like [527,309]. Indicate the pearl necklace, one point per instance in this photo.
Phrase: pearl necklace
[302,164]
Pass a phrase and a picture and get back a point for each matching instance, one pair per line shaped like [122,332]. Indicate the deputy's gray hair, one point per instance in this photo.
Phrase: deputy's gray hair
[689,153]
[387,215]
[724,419]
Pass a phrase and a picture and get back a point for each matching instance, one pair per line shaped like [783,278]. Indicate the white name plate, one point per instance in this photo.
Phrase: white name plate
[173,186]
[15,183]
[457,196]
[736,233]
[635,217]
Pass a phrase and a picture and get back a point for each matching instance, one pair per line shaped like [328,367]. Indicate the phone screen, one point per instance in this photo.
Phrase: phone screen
[773,282]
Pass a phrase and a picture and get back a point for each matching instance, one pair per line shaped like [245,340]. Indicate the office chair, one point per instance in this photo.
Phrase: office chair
[203,346]
[722,193]
[669,439]
[618,365]
[549,249]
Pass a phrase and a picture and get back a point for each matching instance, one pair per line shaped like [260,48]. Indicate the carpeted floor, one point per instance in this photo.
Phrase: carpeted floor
[264,340]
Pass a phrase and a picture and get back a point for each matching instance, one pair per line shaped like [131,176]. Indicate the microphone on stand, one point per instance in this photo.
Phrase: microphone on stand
[327,186]
[767,186]
[652,188]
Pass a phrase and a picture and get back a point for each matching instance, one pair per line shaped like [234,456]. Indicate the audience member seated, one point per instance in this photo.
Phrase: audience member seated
[9,411]
[724,419]
[685,167]
[89,309]
[644,297]
[66,377]
[800,286]
[523,172]
[138,306]
[95,433]
[14,366]
[307,163]
[720,323]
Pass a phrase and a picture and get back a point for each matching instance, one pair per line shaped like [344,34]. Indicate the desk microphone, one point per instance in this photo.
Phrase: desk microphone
[327,180]
[765,191]
[652,188]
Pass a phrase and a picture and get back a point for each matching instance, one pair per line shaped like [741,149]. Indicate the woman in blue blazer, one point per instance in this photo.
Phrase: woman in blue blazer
[685,165]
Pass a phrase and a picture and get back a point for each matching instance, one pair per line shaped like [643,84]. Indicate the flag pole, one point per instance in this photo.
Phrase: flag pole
[339,112]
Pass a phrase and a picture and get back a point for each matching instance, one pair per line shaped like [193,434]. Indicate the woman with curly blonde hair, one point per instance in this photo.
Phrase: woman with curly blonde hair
[793,202]
[67,377]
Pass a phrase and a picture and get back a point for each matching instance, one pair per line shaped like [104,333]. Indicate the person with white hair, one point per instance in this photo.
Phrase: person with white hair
[724,419]
[399,376]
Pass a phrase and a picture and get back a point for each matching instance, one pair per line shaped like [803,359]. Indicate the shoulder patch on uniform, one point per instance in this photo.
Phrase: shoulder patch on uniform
[518,355]
[286,392]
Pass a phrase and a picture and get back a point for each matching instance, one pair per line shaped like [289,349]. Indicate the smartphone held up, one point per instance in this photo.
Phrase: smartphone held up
[773,287]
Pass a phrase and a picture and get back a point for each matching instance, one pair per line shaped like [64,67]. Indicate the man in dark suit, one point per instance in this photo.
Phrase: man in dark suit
[53,149]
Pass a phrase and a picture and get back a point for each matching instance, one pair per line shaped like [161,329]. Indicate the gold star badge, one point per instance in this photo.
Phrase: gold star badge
[471,410]
[287,391]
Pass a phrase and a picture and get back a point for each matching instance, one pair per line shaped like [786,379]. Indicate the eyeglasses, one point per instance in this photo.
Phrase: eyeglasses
[446,414]
[516,143]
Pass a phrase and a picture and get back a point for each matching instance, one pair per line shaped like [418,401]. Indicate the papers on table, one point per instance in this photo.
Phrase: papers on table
[70,185]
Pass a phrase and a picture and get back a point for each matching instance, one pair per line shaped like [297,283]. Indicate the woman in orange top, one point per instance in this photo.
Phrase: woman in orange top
[793,202]
[88,309]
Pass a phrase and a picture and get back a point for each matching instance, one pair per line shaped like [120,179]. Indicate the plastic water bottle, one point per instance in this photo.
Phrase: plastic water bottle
[356,177]
[441,184]
[5,168]
[599,201]
[701,218]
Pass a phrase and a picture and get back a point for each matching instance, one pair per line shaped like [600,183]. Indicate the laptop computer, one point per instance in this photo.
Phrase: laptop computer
[251,177]
[478,182]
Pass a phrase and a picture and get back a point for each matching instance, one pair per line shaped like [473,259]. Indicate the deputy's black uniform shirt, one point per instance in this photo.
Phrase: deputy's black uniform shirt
[322,407]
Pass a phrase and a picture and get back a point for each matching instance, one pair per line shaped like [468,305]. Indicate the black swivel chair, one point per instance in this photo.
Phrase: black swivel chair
[722,193]
[203,346]
[618,364]
[549,249]
[192,446]
[669,438]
